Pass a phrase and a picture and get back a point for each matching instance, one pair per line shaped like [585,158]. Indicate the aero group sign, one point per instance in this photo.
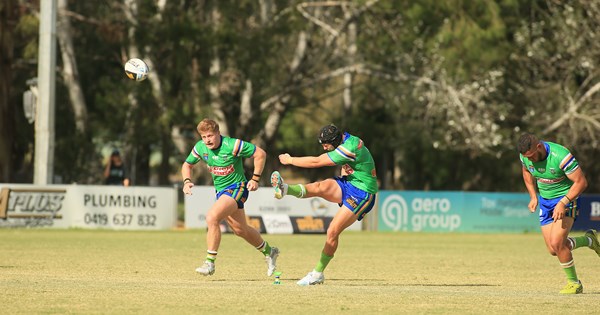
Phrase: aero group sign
[416,211]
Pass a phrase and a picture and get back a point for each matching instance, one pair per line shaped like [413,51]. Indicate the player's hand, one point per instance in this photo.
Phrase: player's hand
[252,185]
[187,188]
[285,159]
[533,203]
[559,211]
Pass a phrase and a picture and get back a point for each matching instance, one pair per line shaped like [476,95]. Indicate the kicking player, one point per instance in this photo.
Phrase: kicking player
[354,191]
[560,182]
[223,155]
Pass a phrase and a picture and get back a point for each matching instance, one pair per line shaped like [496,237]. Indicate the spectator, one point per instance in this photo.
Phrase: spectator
[114,172]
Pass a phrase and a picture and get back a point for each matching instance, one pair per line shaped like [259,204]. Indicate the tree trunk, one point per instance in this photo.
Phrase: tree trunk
[277,105]
[7,22]
[216,101]
[351,59]
[70,73]
[130,9]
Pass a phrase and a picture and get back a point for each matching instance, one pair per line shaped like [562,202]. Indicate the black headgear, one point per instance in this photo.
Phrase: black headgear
[330,134]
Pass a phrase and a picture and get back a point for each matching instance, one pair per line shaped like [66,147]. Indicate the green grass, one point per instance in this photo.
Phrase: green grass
[109,272]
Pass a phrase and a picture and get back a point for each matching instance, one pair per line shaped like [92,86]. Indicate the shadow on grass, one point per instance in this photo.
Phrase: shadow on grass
[374,282]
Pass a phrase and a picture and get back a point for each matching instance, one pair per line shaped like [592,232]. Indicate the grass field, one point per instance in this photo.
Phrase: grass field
[108,272]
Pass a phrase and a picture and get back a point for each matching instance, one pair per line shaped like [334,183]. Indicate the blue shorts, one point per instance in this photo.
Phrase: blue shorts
[547,209]
[237,191]
[357,200]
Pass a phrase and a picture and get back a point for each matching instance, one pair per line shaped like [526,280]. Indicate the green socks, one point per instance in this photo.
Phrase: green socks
[323,262]
[569,268]
[296,190]
[264,248]
[580,241]
[211,255]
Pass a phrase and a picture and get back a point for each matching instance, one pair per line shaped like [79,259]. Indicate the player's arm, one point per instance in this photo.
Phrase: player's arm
[306,161]
[186,174]
[260,157]
[530,185]
[580,184]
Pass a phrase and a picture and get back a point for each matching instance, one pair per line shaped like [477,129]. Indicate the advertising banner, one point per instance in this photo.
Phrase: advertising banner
[33,206]
[123,208]
[83,206]
[416,211]
[498,212]
[589,213]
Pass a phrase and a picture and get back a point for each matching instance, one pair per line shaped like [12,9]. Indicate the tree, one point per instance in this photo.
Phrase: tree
[557,61]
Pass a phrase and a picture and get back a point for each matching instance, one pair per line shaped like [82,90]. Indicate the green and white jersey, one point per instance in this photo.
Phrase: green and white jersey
[225,162]
[551,173]
[357,162]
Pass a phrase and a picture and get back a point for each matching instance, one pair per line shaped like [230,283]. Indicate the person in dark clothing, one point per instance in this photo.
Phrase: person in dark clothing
[114,172]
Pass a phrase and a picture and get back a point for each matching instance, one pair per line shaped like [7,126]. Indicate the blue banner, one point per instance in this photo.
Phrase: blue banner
[451,211]
[417,211]
[589,213]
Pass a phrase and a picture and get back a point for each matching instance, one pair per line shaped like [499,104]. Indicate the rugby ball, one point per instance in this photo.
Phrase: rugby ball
[136,69]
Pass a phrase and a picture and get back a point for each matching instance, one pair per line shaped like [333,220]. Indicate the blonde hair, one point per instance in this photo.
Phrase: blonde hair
[207,125]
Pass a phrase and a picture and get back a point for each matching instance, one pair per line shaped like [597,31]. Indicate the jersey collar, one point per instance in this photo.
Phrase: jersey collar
[547,146]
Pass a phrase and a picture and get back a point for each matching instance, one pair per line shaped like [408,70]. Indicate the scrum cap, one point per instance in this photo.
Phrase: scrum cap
[330,134]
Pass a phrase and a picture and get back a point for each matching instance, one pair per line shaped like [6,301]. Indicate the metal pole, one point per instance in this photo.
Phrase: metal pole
[44,123]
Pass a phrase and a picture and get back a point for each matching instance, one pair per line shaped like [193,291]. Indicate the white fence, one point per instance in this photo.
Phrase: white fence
[152,208]
[267,214]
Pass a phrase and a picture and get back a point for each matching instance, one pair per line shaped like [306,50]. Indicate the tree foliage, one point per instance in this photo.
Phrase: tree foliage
[439,90]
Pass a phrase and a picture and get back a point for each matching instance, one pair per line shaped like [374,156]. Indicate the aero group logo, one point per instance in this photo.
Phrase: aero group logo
[394,213]
[419,212]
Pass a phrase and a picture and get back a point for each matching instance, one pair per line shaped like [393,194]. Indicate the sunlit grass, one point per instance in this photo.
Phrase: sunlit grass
[83,271]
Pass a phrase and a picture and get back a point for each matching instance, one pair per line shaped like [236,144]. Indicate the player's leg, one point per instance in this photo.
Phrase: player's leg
[593,240]
[355,205]
[223,207]
[556,237]
[589,239]
[327,189]
[342,219]
[239,225]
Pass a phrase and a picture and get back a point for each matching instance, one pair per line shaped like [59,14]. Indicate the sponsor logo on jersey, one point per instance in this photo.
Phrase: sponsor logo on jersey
[221,171]
[541,169]
[551,180]
[347,169]
[360,144]
[222,157]
[552,170]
